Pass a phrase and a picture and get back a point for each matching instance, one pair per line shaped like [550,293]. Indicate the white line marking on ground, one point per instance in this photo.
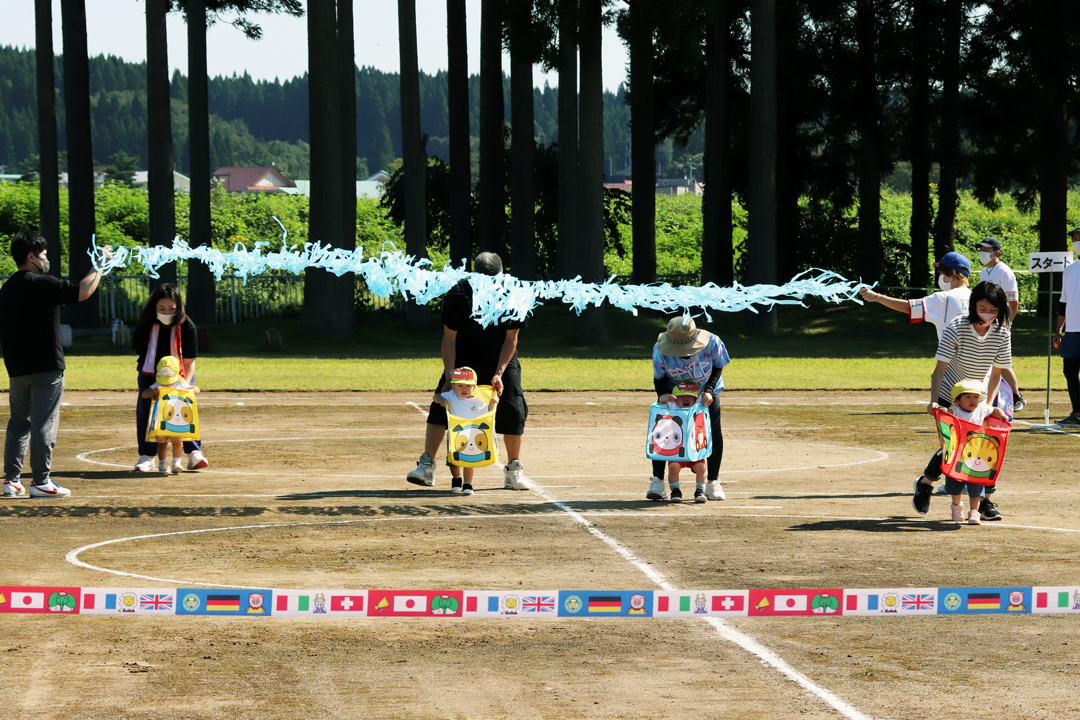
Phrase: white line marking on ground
[726,631]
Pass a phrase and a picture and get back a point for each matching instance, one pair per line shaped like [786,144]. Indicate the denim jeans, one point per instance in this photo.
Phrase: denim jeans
[35,416]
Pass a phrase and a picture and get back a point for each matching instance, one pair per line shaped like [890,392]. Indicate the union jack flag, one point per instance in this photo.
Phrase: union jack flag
[155,602]
[541,604]
[917,602]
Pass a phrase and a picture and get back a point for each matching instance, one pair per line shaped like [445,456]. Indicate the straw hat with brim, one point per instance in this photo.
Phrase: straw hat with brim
[682,338]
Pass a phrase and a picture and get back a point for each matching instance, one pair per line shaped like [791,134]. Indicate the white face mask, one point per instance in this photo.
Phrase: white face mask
[943,283]
[988,318]
[984,257]
[1076,247]
[165,319]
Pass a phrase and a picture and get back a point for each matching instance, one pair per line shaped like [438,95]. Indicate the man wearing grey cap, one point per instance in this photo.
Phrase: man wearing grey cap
[997,271]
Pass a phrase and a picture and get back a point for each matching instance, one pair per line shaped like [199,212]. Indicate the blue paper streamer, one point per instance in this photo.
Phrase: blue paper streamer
[496,299]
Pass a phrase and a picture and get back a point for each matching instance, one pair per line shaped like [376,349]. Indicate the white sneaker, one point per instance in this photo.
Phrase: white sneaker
[424,474]
[1019,403]
[49,489]
[145,464]
[13,488]
[196,461]
[657,490]
[163,467]
[713,491]
[177,466]
[514,476]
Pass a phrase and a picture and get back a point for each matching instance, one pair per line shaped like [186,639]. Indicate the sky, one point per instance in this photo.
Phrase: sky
[118,27]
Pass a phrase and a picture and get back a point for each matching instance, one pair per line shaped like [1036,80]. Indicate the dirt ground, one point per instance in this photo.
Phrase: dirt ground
[818,489]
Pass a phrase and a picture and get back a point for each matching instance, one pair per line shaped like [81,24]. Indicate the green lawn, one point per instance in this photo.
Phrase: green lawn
[819,347]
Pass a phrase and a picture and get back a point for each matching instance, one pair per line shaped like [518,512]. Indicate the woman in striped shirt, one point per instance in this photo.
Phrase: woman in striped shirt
[971,346]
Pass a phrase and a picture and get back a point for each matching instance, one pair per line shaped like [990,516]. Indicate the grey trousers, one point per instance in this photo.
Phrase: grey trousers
[35,416]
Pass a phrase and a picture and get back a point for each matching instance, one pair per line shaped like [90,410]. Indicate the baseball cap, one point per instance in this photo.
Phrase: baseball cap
[990,242]
[955,261]
[966,386]
[463,376]
[685,389]
[168,370]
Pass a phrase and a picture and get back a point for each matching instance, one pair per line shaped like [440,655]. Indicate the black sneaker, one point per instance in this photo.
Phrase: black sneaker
[988,510]
[699,495]
[1018,402]
[466,489]
[455,485]
[921,501]
[676,495]
[1073,419]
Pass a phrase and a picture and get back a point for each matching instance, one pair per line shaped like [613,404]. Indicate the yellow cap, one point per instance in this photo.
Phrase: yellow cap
[168,370]
[966,386]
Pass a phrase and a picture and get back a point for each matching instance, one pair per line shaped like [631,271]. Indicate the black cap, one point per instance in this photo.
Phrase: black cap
[1073,231]
[990,242]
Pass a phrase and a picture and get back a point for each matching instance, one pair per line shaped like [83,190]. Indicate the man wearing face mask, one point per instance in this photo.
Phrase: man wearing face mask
[30,334]
[997,271]
[1067,338]
[940,308]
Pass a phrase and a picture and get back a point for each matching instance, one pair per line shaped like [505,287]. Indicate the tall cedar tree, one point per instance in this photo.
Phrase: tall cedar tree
[761,237]
[160,184]
[590,324]
[414,157]
[49,171]
[492,221]
[457,81]
[519,30]
[641,27]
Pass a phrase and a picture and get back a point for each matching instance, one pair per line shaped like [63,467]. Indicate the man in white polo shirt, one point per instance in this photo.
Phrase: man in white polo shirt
[997,271]
[1067,338]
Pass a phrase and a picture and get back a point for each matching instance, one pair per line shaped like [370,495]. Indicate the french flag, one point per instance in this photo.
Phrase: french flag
[860,602]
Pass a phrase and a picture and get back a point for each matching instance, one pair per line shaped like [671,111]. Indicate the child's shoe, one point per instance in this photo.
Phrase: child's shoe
[466,489]
[958,513]
[699,495]
[676,495]
[973,518]
[163,467]
[177,466]
[455,486]
[657,491]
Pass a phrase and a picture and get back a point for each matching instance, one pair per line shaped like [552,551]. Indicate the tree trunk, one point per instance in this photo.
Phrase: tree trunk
[1054,168]
[159,184]
[566,262]
[492,170]
[523,144]
[717,252]
[950,131]
[869,234]
[787,141]
[200,301]
[590,324]
[328,299]
[920,152]
[48,171]
[81,220]
[346,48]
[412,152]
[761,238]
[643,141]
[457,80]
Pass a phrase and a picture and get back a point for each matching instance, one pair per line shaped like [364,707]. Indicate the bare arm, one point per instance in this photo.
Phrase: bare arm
[189,368]
[890,302]
[1014,307]
[89,284]
[509,347]
[449,355]
[935,385]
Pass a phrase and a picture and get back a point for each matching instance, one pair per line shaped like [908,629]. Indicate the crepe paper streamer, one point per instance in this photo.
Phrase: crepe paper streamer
[472,443]
[541,604]
[174,414]
[678,434]
[496,299]
[969,452]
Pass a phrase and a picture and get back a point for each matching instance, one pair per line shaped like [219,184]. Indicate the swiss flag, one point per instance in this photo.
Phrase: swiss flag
[729,603]
[346,603]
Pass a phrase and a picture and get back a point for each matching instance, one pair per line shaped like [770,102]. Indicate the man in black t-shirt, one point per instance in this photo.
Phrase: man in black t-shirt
[492,353]
[30,303]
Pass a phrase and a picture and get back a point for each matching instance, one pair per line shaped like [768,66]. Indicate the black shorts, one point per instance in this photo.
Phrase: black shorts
[510,413]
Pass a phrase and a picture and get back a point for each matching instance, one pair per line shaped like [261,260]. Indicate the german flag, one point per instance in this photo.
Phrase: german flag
[984,601]
[223,603]
[605,604]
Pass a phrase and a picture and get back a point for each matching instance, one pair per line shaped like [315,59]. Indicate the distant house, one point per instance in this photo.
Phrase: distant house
[619,183]
[364,189]
[678,186]
[382,177]
[252,179]
[180,182]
